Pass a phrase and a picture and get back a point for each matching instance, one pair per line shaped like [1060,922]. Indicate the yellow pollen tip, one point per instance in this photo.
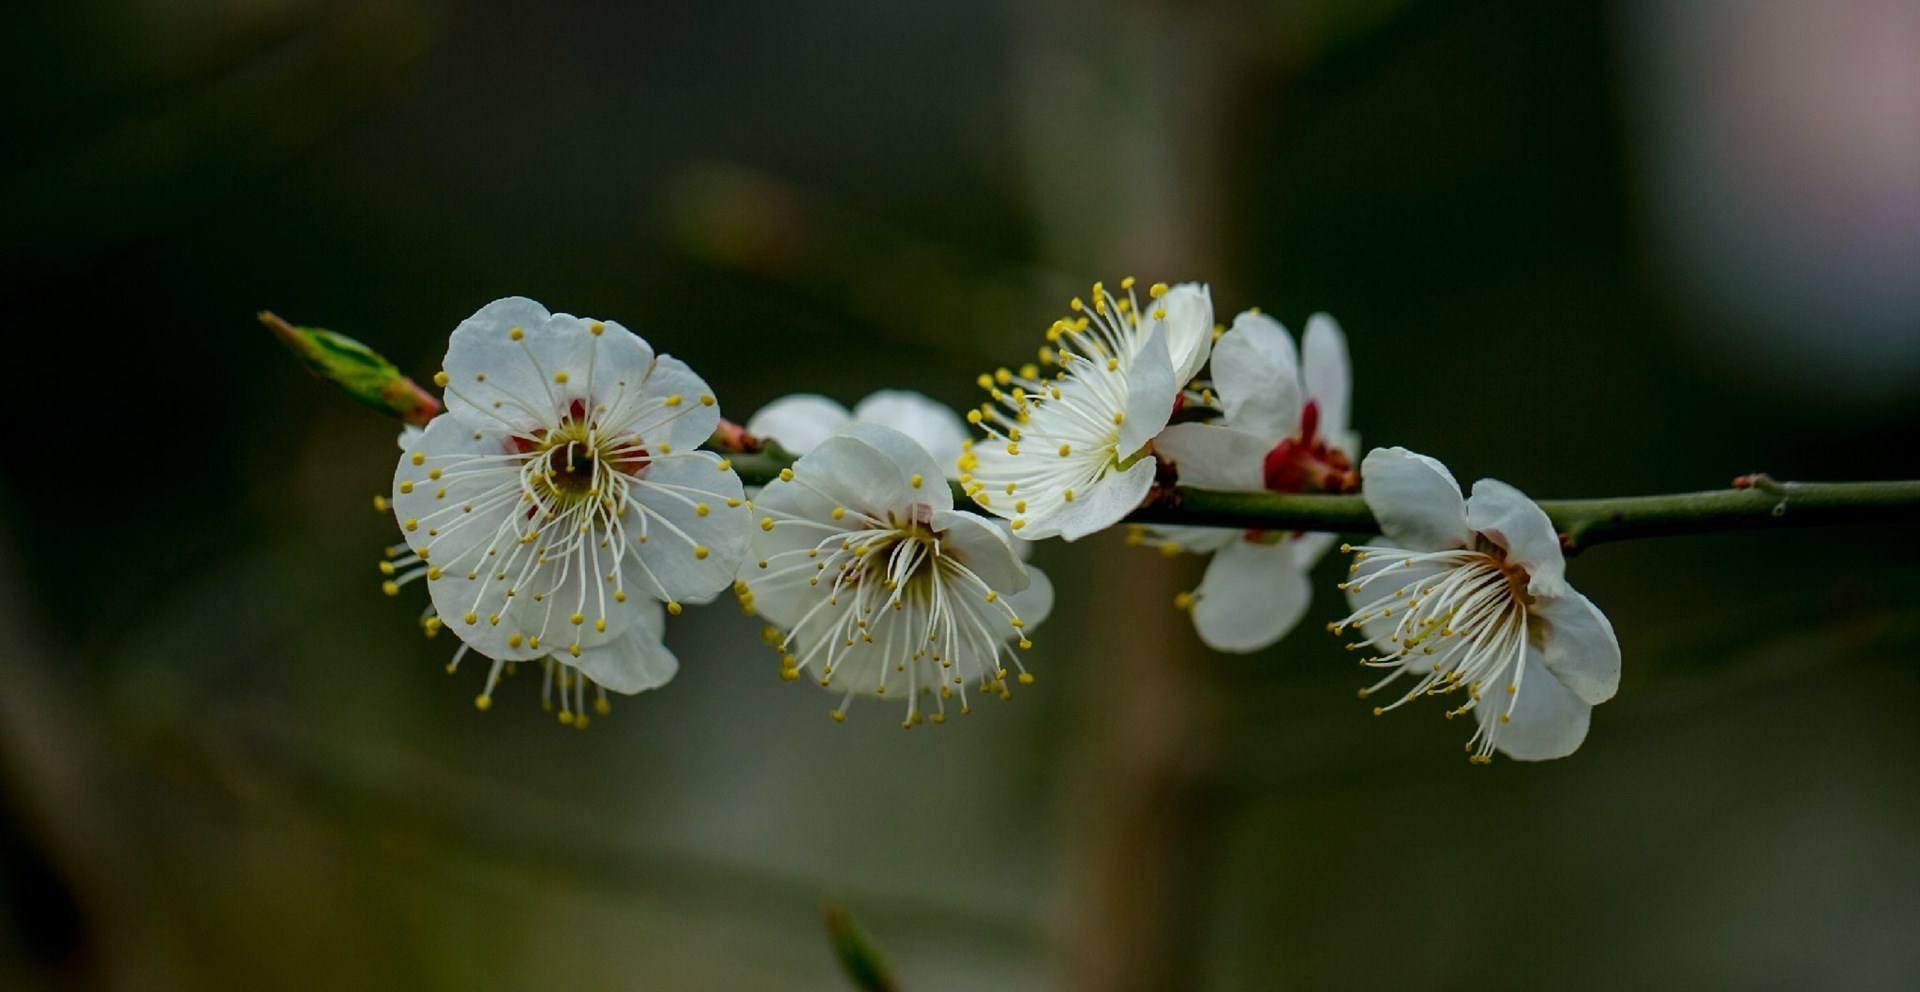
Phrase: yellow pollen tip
[786,475]
[516,334]
[483,703]
[914,482]
[700,552]
[701,509]
[766,523]
[1026,678]
[673,607]
[560,377]
[1157,290]
[441,379]
[597,328]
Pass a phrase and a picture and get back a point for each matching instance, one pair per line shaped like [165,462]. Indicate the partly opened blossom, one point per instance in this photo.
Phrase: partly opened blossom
[1470,597]
[1285,431]
[803,420]
[560,499]
[878,587]
[1069,455]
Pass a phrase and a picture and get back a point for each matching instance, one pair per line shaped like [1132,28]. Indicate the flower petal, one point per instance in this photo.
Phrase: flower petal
[1251,596]
[1508,518]
[663,507]
[1581,649]
[925,480]
[935,426]
[1189,328]
[1327,374]
[1208,457]
[1100,506]
[1151,389]
[500,363]
[1257,375]
[800,421]
[635,661]
[1548,720]
[1034,604]
[672,404]
[847,471]
[983,548]
[1415,499]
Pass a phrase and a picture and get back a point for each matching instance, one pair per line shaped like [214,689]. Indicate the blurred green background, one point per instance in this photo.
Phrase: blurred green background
[1591,249]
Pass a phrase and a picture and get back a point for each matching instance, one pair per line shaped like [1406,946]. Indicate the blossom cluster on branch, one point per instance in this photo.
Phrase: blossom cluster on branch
[569,500]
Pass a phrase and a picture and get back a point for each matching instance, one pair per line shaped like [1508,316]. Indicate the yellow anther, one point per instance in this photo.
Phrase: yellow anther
[1018,523]
[700,552]
[1119,418]
[732,501]
[786,475]
[418,458]
[701,509]
[560,377]
[1065,450]
[673,400]
[380,503]
[406,486]
[1067,495]
[411,524]
[1026,678]
[1183,601]
[973,416]
[483,703]
[577,618]
[673,607]
[838,717]
[619,595]
[597,328]
[573,649]
[390,587]
[839,512]
[915,480]
[723,465]
[513,640]
[432,574]
[516,333]
[766,523]
[1157,290]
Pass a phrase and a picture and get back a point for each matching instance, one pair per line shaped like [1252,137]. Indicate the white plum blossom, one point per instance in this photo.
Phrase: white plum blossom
[559,502]
[1470,596]
[1070,455]
[1285,431]
[878,587]
[803,420]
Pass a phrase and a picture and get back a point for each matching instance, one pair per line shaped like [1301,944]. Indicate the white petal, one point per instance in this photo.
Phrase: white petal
[1257,375]
[1251,596]
[1099,507]
[496,382]
[665,501]
[1327,374]
[1415,499]
[935,426]
[800,421]
[913,462]
[635,661]
[1209,457]
[850,472]
[1508,518]
[1310,547]
[408,435]
[1189,328]
[1034,603]
[667,406]
[1548,721]
[983,548]
[1151,389]
[1581,649]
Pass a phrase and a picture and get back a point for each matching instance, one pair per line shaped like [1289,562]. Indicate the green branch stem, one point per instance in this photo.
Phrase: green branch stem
[1755,503]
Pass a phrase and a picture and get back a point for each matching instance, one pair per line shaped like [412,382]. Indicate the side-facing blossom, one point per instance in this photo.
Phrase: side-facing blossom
[878,587]
[1285,430]
[560,501]
[1470,596]
[1068,455]
[802,420]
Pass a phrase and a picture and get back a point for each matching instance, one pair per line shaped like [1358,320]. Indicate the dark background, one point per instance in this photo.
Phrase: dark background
[1588,249]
